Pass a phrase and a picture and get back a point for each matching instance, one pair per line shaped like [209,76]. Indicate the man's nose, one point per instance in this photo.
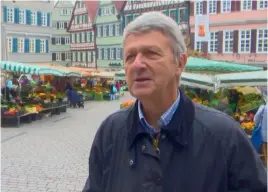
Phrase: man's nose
[139,61]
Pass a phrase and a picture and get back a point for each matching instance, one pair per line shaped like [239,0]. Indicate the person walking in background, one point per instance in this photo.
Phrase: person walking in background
[117,86]
[166,142]
[112,91]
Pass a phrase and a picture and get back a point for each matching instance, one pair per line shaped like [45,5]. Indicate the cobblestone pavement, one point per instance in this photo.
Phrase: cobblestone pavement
[52,154]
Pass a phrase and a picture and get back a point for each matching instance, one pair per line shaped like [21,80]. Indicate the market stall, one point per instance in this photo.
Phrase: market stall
[24,98]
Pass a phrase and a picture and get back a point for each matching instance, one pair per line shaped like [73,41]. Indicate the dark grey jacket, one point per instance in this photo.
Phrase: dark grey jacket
[202,150]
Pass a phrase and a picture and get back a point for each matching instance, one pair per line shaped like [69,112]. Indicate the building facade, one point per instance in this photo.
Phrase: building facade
[178,10]
[82,30]
[238,30]
[109,35]
[26,31]
[60,42]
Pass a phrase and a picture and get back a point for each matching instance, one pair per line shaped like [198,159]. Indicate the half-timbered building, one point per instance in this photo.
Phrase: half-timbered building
[82,30]
[176,9]
[109,35]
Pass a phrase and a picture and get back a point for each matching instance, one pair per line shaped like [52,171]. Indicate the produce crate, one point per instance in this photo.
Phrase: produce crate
[106,97]
[99,97]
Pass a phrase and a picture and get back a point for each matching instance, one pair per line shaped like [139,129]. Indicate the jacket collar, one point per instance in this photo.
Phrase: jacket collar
[180,125]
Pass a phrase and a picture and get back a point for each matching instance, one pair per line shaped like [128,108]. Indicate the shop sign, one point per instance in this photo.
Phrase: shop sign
[202,28]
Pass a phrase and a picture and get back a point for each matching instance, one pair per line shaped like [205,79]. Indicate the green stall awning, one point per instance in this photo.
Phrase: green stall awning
[28,68]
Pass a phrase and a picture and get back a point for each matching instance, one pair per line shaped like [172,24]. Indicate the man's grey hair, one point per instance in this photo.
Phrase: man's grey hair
[150,21]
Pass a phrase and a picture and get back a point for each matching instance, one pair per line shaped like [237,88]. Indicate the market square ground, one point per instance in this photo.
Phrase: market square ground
[52,154]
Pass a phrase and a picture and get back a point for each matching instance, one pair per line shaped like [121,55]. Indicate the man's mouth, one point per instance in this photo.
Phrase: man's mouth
[143,79]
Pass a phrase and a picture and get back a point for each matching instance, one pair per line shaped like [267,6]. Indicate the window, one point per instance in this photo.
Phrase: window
[20,45]
[99,53]
[172,14]
[78,56]
[213,44]
[244,41]
[246,5]
[104,30]
[199,7]
[118,53]
[78,37]
[105,54]
[9,45]
[262,41]
[73,38]
[199,46]
[32,45]
[58,56]
[228,40]
[112,53]
[226,6]
[99,31]
[82,37]
[262,4]
[64,11]
[85,56]
[117,29]
[106,11]
[10,15]
[67,56]
[111,26]
[42,46]
[88,36]
[44,19]
[54,25]
[67,40]
[70,11]
[22,19]
[61,25]
[34,18]
[74,56]
[128,19]
[58,41]
[212,6]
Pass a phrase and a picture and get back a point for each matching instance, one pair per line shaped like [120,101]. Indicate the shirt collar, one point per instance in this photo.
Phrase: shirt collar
[164,119]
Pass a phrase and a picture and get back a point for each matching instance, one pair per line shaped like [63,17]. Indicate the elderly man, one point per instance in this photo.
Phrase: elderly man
[165,142]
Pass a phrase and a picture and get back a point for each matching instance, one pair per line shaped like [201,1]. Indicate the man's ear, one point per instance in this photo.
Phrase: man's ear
[181,63]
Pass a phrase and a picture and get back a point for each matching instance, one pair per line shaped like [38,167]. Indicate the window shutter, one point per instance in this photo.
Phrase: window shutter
[101,31]
[47,46]
[102,53]
[87,57]
[253,40]
[238,5]
[124,22]
[75,38]
[53,41]
[236,41]
[90,36]
[220,41]
[114,26]
[114,53]
[233,5]
[113,10]
[62,41]
[205,47]
[85,34]
[108,53]
[192,8]
[63,56]
[37,45]
[71,38]
[5,13]
[65,25]
[58,25]
[177,16]
[99,12]
[120,29]
[91,56]
[16,15]
[26,45]
[107,30]
[15,45]
[80,36]
[186,14]
[254,5]
[53,56]
[28,17]
[204,7]
[121,53]
[219,6]
[192,40]
[39,18]
[48,19]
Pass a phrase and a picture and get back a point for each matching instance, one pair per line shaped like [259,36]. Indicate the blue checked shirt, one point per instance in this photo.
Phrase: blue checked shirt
[163,121]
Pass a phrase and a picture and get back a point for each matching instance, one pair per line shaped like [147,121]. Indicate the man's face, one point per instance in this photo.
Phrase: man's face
[149,64]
